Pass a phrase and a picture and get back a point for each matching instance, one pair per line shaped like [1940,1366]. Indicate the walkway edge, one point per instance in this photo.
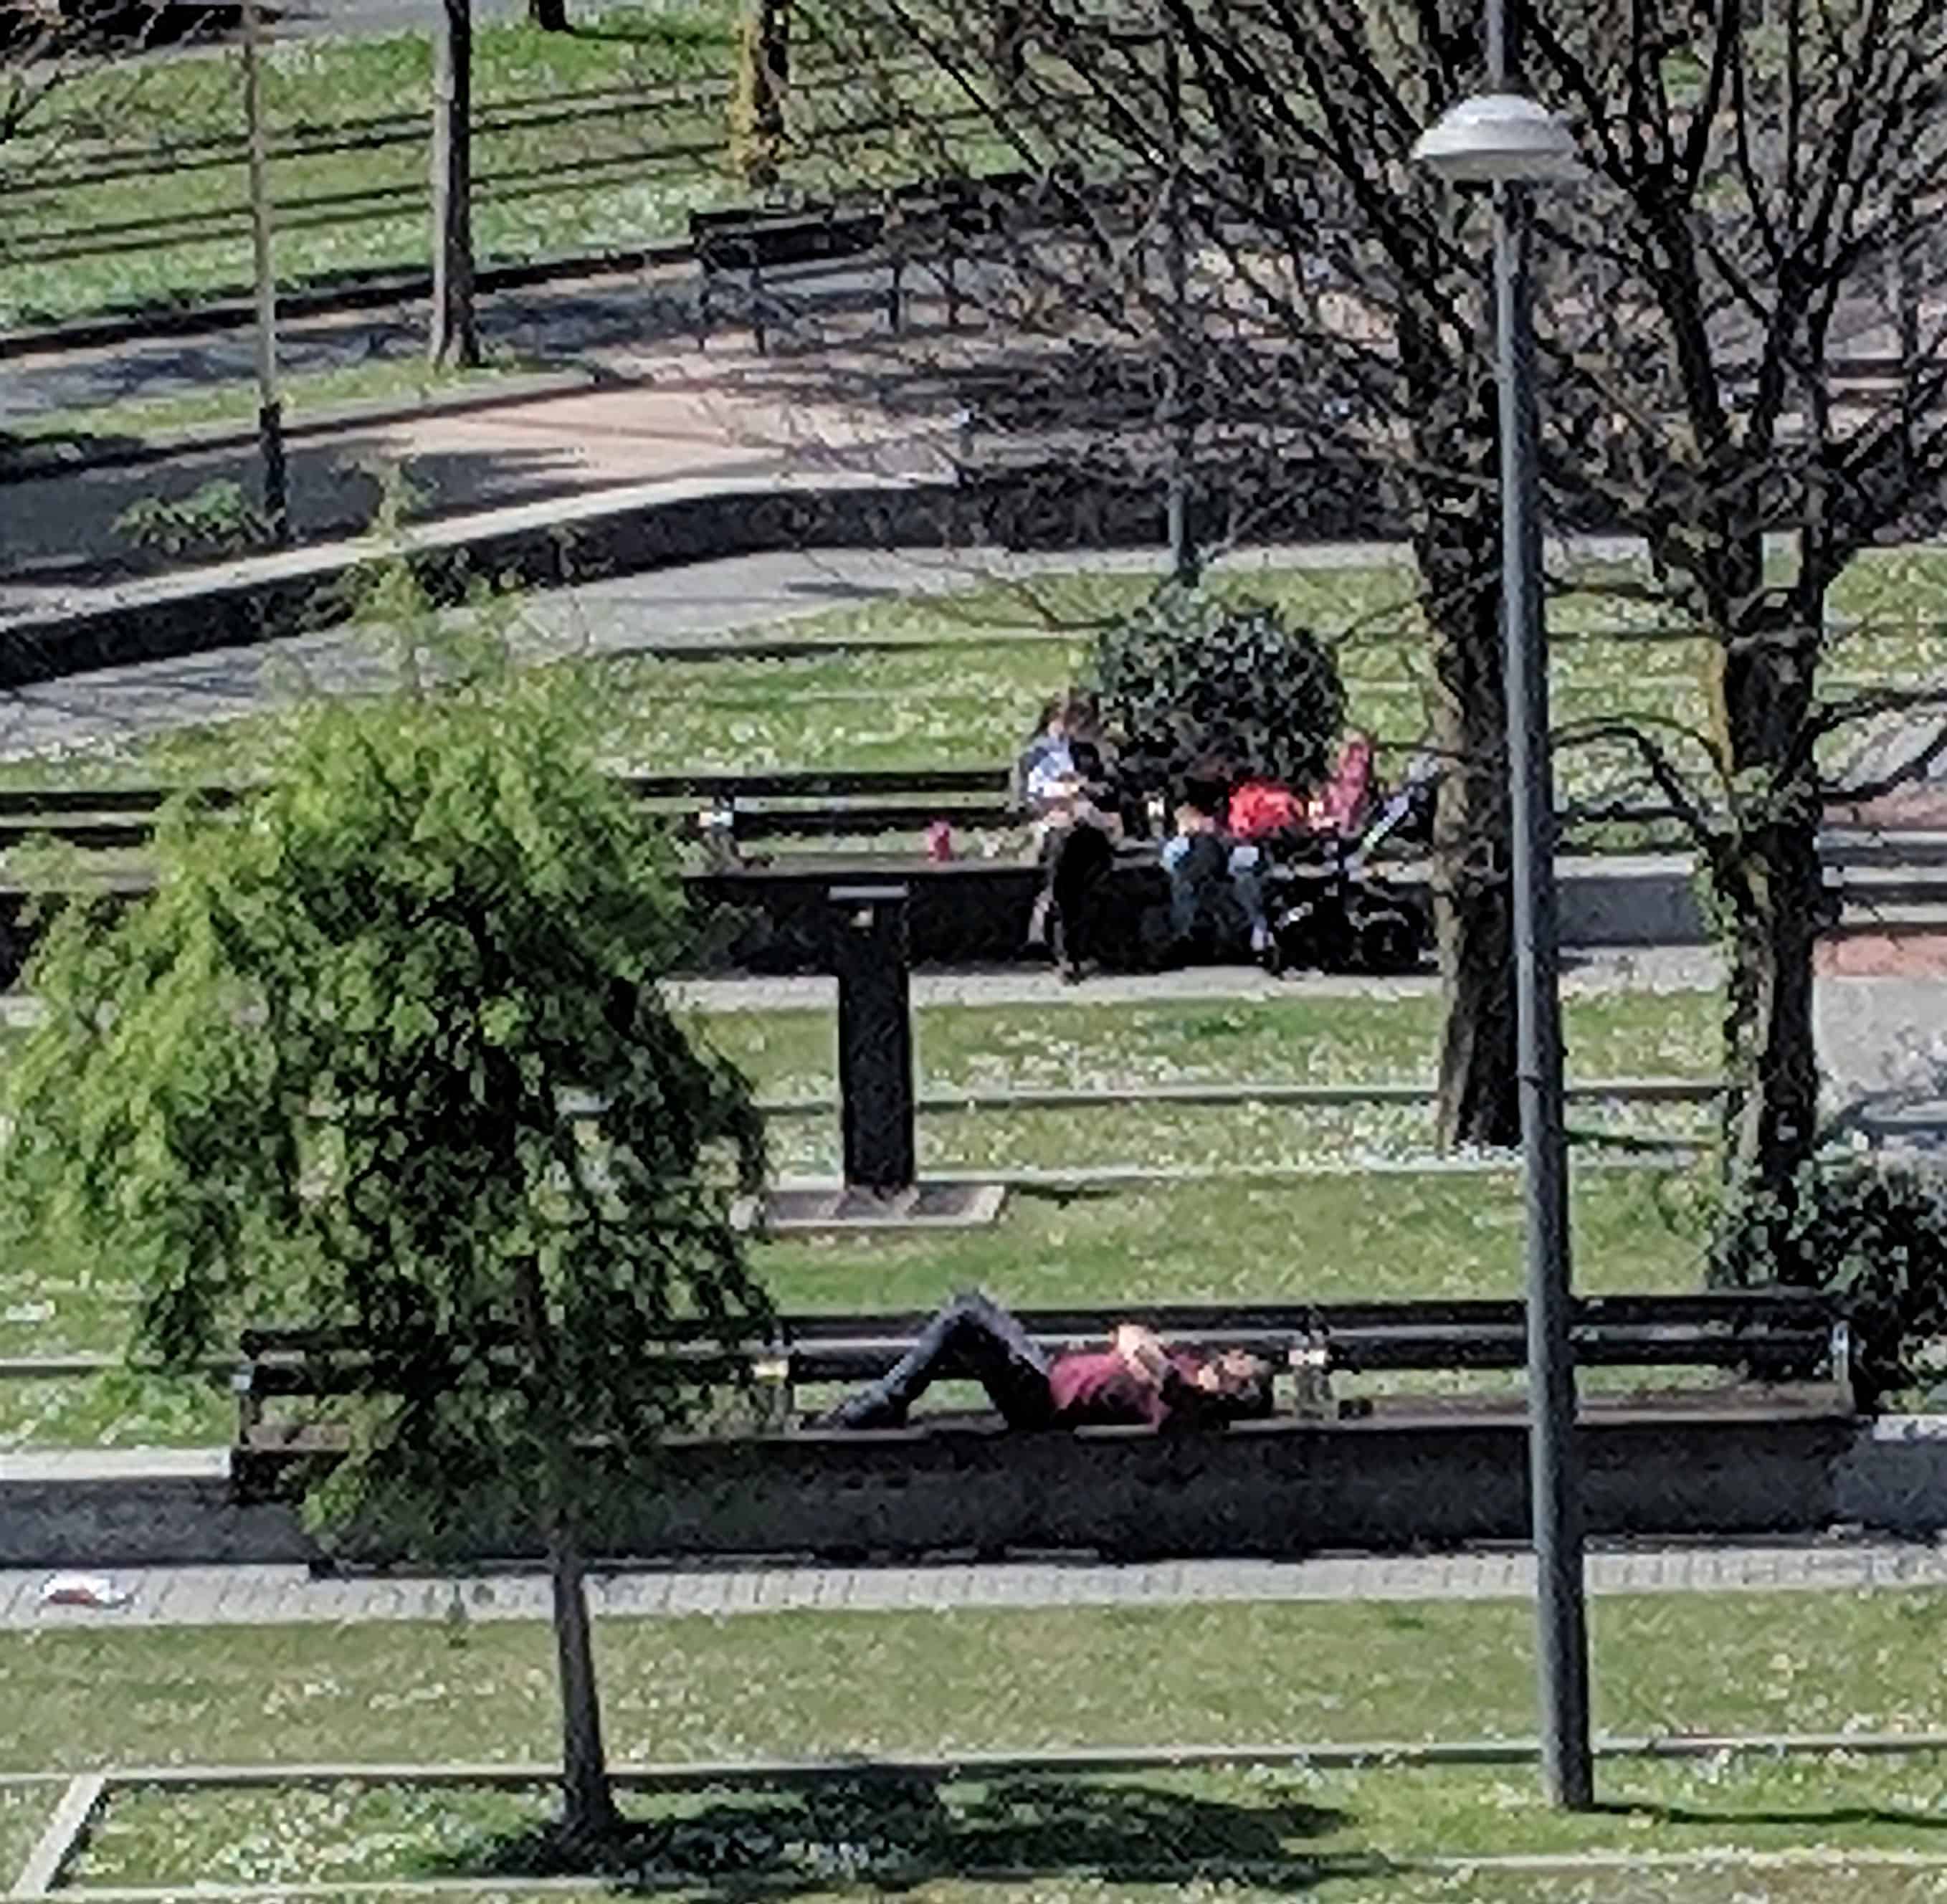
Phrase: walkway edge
[64,1833]
[554,543]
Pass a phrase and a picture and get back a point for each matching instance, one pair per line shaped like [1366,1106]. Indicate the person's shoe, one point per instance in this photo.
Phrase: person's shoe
[860,1414]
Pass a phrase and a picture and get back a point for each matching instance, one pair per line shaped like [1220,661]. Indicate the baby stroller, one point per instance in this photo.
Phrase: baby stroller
[1330,911]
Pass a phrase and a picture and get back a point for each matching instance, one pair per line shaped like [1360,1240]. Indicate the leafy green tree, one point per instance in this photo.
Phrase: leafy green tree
[386,1052]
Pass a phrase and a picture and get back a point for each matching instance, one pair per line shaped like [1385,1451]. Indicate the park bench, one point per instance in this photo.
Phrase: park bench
[833,804]
[945,221]
[747,242]
[813,804]
[1770,1336]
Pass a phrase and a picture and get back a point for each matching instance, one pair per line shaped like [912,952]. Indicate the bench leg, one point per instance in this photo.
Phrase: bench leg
[893,298]
[952,281]
[757,307]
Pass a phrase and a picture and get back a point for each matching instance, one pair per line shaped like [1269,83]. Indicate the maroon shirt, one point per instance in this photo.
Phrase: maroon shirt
[1098,1389]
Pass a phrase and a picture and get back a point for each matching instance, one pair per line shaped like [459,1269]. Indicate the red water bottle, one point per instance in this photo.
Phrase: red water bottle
[939,840]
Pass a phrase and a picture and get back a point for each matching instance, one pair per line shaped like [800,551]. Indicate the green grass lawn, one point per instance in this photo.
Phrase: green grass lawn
[936,1683]
[1339,1830]
[1298,1041]
[792,1055]
[1731,1880]
[970,700]
[140,112]
[24,1812]
[969,672]
[1334,1239]
[624,171]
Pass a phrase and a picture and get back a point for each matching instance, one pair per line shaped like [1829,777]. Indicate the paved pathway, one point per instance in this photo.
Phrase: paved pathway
[1670,968]
[635,413]
[240,1596]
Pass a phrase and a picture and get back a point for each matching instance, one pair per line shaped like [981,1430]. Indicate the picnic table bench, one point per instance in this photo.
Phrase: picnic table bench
[941,221]
[781,804]
[1772,1337]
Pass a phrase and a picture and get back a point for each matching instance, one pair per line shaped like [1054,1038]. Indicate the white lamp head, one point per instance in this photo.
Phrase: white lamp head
[1498,138]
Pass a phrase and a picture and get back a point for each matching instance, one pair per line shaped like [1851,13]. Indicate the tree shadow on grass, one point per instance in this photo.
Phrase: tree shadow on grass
[787,1839]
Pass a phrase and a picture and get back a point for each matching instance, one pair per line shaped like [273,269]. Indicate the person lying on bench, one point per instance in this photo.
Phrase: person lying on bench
[1137,1381]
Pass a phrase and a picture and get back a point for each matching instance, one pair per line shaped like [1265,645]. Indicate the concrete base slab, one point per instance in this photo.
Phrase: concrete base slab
[843,1209]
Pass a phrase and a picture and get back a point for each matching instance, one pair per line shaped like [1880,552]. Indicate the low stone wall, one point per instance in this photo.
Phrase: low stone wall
[1283,1487]
[543,545]
[131,1521]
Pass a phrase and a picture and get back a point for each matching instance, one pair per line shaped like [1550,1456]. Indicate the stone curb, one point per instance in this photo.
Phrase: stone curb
[356,291]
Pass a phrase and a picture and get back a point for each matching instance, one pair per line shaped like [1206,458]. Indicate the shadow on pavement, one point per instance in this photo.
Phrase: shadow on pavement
[61,527]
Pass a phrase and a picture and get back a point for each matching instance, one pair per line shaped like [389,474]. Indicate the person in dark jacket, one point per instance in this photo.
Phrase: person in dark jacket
[1136,1380]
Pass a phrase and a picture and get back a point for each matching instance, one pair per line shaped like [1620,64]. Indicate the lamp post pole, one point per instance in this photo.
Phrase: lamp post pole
[1561,1624]
[270,406]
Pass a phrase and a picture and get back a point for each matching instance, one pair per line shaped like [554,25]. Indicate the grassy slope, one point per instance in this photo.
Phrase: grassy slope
[1423,1235]
[790,1683]
[144,109]
[967,695]
[1342,1238]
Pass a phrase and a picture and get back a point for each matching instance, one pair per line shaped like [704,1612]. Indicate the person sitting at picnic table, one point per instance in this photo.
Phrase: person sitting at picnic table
[1136,1381]
[1215,863]
[1063,781]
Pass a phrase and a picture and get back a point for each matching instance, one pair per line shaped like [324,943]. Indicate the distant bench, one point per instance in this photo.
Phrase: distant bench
[944,221]
[795,804]
[1772,1337]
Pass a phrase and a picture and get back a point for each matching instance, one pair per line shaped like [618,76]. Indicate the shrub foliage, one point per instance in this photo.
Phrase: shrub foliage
[1190,674]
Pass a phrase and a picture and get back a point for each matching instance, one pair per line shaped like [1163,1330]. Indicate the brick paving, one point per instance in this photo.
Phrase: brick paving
[274,1595]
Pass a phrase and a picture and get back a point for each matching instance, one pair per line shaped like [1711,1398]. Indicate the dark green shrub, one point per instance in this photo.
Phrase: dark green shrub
[213,522]
[1190,674]
[1870,1230]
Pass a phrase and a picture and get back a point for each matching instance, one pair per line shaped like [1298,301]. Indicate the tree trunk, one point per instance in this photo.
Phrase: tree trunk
[763,74]
[588,1803]
[1456,545]
[455,341]
[551,16]
[1479,1102]
[1777,910]
[1769,886]
[1010,49]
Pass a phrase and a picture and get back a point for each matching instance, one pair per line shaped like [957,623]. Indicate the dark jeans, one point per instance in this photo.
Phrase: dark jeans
[973,1339]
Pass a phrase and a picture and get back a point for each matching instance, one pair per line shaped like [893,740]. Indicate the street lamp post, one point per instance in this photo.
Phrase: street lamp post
[1504,140]
[270,406]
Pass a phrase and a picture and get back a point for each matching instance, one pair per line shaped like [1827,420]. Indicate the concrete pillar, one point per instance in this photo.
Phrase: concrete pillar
[875,1068]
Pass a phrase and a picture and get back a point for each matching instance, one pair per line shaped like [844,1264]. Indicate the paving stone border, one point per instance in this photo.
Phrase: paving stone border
[246,1594]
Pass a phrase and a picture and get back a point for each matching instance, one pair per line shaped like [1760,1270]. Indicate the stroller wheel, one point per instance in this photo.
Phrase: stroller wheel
[1388,943]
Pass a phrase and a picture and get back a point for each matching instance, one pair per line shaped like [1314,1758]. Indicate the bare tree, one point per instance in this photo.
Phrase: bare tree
[1756,334]
[1759,188]
[1311,312]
